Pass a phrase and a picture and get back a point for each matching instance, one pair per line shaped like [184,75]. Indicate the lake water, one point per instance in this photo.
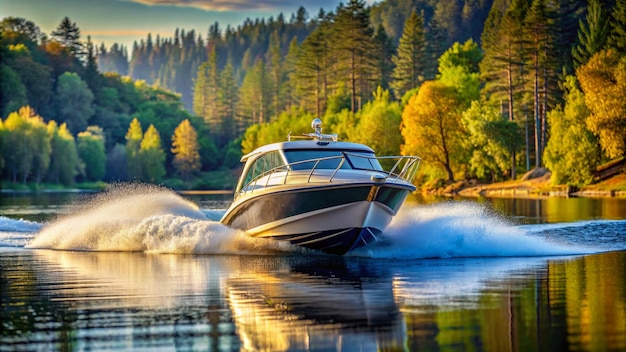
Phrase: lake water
[146,269]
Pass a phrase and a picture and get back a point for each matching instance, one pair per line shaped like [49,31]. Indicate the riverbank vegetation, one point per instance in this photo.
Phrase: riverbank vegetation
[482,91]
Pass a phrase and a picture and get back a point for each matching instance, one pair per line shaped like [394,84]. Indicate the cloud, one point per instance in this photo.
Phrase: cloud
[227,5]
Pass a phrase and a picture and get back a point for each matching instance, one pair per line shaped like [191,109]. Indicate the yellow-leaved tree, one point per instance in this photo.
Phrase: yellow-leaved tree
[185,149]
[432,127]
[603,80]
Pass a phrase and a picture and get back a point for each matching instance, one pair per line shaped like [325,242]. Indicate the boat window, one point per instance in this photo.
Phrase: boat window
[364,162]
[263,164]
[355,160]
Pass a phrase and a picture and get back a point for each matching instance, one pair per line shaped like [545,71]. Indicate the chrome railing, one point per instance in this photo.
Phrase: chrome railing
[404,168]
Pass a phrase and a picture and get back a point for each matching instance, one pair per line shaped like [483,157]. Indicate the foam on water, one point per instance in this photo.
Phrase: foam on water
[148,219]
[460,229]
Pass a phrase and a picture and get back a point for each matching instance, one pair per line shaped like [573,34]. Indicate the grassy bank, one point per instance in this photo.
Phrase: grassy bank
[534,187]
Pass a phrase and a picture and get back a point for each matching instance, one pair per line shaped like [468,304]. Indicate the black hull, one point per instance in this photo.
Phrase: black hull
[337,242]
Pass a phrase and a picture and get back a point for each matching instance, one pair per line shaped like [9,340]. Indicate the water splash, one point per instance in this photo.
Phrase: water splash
[459,229]
[147,219]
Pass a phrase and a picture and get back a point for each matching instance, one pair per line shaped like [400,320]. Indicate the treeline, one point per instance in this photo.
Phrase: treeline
[542,85]
[54,100]
[173,62]
[546,87]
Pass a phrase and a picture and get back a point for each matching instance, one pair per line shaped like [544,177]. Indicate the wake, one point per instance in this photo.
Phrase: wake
[142,218]
[461,230]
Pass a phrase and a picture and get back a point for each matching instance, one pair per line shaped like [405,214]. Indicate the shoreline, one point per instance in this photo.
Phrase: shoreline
[539,187]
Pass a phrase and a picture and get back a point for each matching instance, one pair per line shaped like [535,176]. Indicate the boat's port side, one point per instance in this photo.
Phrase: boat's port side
[266,208]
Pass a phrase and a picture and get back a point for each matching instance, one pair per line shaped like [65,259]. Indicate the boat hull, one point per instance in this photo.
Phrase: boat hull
[333,219]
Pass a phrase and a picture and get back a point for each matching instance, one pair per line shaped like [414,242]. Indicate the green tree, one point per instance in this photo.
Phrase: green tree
[313,68]
[133,143]
[68,34]
[12,91]
[458,68]
[355,50]
[185,149]
[24,147]
[152,156]
[411,58]
[593,33]
[74,101]
[432,128]
[228,98]
[64,160]
[205,98]
[491,139]
[502,68]
[572,152]
[90,148]
[603,80]
[379,124]
[617,36]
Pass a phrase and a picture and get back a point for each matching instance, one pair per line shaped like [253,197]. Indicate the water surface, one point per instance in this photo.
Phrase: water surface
[145,269]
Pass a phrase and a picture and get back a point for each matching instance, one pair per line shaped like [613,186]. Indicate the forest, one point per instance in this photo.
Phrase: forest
[479,89]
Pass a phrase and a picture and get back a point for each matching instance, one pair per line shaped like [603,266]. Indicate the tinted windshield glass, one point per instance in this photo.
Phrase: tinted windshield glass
[332,159]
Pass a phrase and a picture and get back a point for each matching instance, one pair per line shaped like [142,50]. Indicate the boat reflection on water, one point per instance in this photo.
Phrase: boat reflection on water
[316,304]
[129,301]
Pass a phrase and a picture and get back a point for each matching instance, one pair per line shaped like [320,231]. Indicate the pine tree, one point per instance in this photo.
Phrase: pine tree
[227,104]
[355,48]
[68,34]
[617,36]
[540,42]
[313,67]
[593,33]
[185,149]
[411,58]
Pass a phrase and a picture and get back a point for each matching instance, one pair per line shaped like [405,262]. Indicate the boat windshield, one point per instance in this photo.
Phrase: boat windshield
[354,160]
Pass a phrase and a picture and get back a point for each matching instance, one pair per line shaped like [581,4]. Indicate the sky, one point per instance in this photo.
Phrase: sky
[125,21]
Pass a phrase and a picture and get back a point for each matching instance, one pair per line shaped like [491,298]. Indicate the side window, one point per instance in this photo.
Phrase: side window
[262,165]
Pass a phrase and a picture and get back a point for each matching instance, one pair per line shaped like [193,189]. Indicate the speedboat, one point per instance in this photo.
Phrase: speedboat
[319,193]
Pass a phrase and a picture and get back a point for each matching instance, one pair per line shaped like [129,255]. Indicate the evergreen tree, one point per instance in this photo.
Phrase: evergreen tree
[384,52]
[502,68]
[540,42]
[313,65]
[185,149]
[228,98]
[593,33]
[68,34]
[91,74]
[355,49]
[275,75]
[152,156]
[411,58]
[617,36]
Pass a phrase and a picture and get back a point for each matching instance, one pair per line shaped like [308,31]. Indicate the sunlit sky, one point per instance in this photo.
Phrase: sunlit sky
[124,21]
